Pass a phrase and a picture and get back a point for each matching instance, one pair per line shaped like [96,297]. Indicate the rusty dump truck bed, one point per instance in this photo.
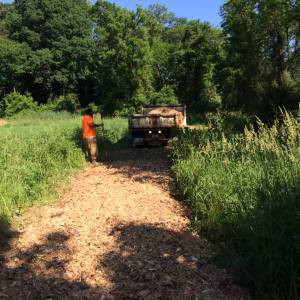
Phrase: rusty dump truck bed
[154,125]
[159,116]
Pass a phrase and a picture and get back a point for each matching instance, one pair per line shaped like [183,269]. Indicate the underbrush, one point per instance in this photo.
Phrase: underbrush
[38,152]
[244,191]
[228,121]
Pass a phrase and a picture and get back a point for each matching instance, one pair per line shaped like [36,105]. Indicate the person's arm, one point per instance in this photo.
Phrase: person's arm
[98,116]
[93,125]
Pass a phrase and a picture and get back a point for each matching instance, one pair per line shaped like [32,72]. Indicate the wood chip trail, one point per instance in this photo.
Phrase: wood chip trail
[116,233]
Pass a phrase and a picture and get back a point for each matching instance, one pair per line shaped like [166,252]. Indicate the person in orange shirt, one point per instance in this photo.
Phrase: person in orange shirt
[89,137]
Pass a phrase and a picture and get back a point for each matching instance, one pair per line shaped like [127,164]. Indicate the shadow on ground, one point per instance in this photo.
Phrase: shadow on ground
[152,262]
[146,165]
[140,164]
[39,272]
[6,233]
[149,262]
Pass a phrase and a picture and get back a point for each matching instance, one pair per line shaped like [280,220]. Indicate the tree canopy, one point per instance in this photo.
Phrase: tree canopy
[262,44]
[121,59]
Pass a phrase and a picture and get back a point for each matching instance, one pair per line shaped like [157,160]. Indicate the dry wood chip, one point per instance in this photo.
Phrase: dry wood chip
[117,233]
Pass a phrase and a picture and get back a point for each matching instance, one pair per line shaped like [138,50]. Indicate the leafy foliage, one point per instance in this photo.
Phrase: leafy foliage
[59,36]
[121,59]
[243,189]
[262,44]
[165,96]
[15,103]
[107,55]
[194,64]
[68,103]
[14,65]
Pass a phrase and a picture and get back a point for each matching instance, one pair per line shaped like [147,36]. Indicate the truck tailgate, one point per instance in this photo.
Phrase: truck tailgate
[153,121]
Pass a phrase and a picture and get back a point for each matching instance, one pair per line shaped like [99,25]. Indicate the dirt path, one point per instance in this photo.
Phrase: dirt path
[117,233]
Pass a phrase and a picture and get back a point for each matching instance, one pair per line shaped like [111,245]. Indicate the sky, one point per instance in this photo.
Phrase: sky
[205,10]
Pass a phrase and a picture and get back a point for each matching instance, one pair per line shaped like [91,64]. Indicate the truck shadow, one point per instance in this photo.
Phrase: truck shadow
[145,165]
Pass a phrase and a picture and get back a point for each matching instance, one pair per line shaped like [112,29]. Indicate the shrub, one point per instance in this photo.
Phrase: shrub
[165,96]
[68,103]
[224,121]
[15,103]
[95,108]
[51,105]
[124,112]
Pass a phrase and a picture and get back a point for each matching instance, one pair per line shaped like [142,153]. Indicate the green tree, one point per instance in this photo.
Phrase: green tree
[13,65]
[60,35]
[162,15]
[4,9]
[117,58]
[123,57]
[261,39]
[194,59]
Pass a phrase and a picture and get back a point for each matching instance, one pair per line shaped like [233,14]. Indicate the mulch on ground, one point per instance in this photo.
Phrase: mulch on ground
[116,233]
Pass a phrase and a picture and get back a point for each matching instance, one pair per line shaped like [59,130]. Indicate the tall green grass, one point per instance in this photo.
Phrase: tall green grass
[38,151]
[244,190]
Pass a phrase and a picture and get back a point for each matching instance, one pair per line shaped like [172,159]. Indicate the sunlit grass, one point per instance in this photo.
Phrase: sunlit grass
[39,151]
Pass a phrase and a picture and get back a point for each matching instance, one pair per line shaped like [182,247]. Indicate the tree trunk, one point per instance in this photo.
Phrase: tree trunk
[278,56]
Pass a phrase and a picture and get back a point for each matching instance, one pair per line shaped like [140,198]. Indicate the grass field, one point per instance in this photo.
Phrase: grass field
[244,190]
[39,151]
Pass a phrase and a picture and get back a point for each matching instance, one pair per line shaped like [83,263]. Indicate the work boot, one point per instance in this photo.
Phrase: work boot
[95,163]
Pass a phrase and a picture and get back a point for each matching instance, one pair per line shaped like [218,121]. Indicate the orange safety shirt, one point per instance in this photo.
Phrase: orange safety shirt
[88,129]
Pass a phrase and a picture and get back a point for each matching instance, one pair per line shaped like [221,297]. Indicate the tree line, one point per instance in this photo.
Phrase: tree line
[119,59]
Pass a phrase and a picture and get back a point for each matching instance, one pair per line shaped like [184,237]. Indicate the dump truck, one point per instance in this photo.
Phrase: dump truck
[157,124]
